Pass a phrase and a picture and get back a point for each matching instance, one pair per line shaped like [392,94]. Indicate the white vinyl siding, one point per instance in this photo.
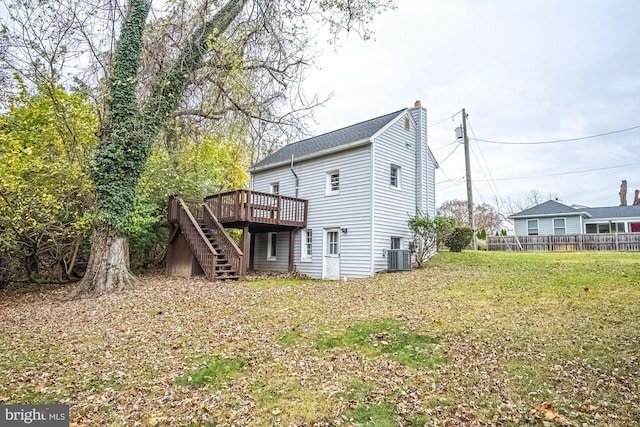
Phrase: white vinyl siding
[350,209]
[281,263]
[393,206]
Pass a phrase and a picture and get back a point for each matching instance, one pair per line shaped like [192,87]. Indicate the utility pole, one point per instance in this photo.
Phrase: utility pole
[467,161]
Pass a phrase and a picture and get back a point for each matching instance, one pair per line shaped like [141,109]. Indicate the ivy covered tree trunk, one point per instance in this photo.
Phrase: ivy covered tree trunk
[127,134]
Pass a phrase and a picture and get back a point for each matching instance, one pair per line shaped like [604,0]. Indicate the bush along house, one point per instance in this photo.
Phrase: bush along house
[332,206]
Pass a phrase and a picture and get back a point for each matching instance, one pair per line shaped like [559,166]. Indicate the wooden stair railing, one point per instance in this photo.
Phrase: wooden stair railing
[228,247]
[212,247]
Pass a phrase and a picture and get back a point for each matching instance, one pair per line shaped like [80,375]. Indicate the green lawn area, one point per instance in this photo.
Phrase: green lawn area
[483,338]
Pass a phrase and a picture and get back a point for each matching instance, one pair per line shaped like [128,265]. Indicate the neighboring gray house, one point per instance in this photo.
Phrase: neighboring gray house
[555,218]
[362,183]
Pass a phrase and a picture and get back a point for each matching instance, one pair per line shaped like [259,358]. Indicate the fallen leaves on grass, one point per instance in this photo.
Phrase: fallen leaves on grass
[508,342]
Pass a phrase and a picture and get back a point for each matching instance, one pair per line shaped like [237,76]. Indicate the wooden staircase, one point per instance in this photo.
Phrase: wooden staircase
[224,270]
[217,254]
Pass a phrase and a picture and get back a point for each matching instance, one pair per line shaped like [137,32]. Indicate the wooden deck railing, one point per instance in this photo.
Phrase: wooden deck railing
[255,207]
[202,249]
[571,242]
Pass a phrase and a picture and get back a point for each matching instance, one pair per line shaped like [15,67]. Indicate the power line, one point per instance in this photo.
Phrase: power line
[558,140]
[564,173]
[492,184]
[449,155]
[443,120]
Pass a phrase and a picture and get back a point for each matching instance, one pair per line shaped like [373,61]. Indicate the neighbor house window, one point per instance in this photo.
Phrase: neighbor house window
[275,188]
[396,242]
[271,246]
[333,182]
[307,245]
[407,123]
[532,227]
[395,176]
[559,226]
[604,228]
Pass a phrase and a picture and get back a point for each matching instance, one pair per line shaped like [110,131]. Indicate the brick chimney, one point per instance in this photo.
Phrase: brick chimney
[417,104]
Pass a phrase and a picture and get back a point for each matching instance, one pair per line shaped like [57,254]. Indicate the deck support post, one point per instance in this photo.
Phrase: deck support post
[252,251]
[246,250]
[291,251]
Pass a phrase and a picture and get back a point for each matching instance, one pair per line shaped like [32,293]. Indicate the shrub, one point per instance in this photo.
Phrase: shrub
[459,238]
[428,234]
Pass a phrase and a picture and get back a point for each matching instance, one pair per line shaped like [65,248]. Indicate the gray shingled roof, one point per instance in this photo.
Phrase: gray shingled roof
[549,207]
[552,207]
[614,212]
[306,147]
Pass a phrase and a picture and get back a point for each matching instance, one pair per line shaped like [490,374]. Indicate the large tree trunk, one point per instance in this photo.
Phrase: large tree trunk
[108,269]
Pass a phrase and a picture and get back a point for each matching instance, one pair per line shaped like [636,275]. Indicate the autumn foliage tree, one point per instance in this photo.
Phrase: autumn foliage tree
[214,60]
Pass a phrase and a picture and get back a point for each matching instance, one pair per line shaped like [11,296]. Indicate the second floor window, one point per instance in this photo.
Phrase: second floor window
[395,176]
[333,182]
[275,188]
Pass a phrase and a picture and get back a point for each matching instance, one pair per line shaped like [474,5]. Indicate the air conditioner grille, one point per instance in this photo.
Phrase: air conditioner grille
[398,260]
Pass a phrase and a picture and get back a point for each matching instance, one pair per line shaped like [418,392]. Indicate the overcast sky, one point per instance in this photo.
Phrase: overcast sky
[526,71]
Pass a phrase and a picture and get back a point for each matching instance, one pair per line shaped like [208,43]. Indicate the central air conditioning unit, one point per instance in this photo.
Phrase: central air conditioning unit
[398,260]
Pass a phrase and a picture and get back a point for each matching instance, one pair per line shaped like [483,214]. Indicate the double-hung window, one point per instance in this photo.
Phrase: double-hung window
[532,227]
[307,245]
[559,226]
[394,177]
[333,182]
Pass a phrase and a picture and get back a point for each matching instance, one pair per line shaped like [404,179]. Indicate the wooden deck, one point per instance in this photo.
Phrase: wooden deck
[259,211]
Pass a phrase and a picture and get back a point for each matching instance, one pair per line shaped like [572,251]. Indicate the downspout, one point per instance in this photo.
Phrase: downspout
[295,175]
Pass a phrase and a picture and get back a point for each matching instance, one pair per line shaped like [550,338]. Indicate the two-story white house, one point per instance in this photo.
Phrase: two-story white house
[330,207]
[362,184]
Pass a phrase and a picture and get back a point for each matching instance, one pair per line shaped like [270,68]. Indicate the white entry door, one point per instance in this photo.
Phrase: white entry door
[332,253]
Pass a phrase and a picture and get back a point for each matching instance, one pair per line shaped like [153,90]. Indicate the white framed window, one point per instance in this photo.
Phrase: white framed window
[532,227]
[272,245]
[559,226]
[306,245]
[394,177]
[407,123]
[396,243]
[274,188]
[333,182]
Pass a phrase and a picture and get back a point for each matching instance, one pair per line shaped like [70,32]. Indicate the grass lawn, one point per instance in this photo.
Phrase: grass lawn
[484,338]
